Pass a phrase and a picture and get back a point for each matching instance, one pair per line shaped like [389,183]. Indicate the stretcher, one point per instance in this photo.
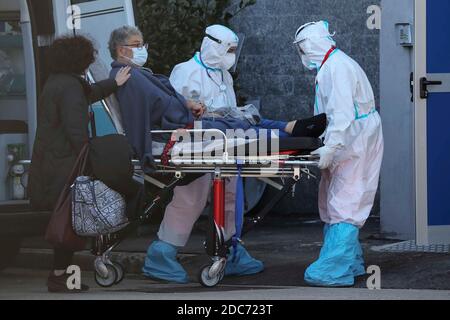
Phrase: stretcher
[290,161]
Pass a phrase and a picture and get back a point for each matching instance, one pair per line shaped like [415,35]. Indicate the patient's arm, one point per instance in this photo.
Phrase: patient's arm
[197,108]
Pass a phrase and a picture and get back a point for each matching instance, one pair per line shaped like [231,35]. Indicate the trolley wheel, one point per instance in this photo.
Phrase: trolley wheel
[107,280]
[120,270]
[205,279]
[100,267]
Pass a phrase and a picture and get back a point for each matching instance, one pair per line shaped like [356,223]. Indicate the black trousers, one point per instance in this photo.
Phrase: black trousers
[110,159]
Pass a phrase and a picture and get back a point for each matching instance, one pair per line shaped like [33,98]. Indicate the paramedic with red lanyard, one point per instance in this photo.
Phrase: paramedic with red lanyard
[351,158]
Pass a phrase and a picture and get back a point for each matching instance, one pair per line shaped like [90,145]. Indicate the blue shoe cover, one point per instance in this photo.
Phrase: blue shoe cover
[335,266]
[358,266]
[161,264]
[243,264]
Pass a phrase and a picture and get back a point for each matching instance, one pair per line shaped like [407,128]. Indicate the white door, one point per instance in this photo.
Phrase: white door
[432,114]
[95,19]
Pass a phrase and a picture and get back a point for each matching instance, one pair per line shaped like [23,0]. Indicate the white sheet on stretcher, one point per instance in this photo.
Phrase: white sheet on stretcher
[206,147]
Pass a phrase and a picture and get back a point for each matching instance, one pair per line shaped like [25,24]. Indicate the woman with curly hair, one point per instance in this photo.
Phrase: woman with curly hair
[62,131]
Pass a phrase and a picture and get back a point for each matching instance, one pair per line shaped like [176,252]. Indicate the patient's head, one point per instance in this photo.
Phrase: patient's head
[127,46]
[71,54]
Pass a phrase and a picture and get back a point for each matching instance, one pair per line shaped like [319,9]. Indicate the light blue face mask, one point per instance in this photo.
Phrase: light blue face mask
[140,56]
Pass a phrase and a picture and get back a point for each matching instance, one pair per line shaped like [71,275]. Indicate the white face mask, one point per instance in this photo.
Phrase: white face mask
[140,56]
[308,63]
[228,61]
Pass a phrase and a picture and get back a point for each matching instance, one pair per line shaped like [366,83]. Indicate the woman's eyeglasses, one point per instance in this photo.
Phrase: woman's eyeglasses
[138,46]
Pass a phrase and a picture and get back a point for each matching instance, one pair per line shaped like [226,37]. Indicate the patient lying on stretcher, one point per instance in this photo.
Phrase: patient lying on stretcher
[150,102]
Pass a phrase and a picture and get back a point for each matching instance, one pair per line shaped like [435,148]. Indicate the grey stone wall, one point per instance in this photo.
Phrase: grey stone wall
[271,69]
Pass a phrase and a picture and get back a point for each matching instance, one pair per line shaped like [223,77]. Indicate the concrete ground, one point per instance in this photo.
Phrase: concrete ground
[287,245]
[22,284]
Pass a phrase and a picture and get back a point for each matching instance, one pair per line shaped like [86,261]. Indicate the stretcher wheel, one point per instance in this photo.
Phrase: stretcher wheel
[100,267]
[120,270]
[109,279]
[206,281]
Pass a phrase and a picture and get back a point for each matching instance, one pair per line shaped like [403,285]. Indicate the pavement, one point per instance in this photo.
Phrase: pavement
[287,245]
[23,284]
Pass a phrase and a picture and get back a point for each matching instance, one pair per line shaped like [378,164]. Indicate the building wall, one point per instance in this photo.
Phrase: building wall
[271,69]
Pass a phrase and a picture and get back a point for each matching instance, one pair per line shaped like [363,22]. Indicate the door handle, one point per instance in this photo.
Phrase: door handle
[424,83]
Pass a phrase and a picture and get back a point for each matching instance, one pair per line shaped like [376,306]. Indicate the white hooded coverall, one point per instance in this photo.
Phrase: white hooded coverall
[205,78]
[348,187]
[191,80]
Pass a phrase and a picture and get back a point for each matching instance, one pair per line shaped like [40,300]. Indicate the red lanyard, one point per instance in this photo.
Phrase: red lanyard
[328,55]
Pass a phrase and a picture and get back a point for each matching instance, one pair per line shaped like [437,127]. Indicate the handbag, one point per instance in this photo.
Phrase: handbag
[96,208]
[60,231]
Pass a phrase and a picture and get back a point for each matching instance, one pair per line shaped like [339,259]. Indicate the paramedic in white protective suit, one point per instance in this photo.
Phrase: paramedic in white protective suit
[351,158]
[186,207]
[205,78]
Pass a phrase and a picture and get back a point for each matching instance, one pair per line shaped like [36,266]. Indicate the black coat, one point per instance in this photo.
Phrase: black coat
[62,131]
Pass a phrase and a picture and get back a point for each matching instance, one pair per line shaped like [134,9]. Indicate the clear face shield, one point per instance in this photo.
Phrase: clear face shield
[237,52]
[299,48]
[307,65]
[232,50]
[229,51]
